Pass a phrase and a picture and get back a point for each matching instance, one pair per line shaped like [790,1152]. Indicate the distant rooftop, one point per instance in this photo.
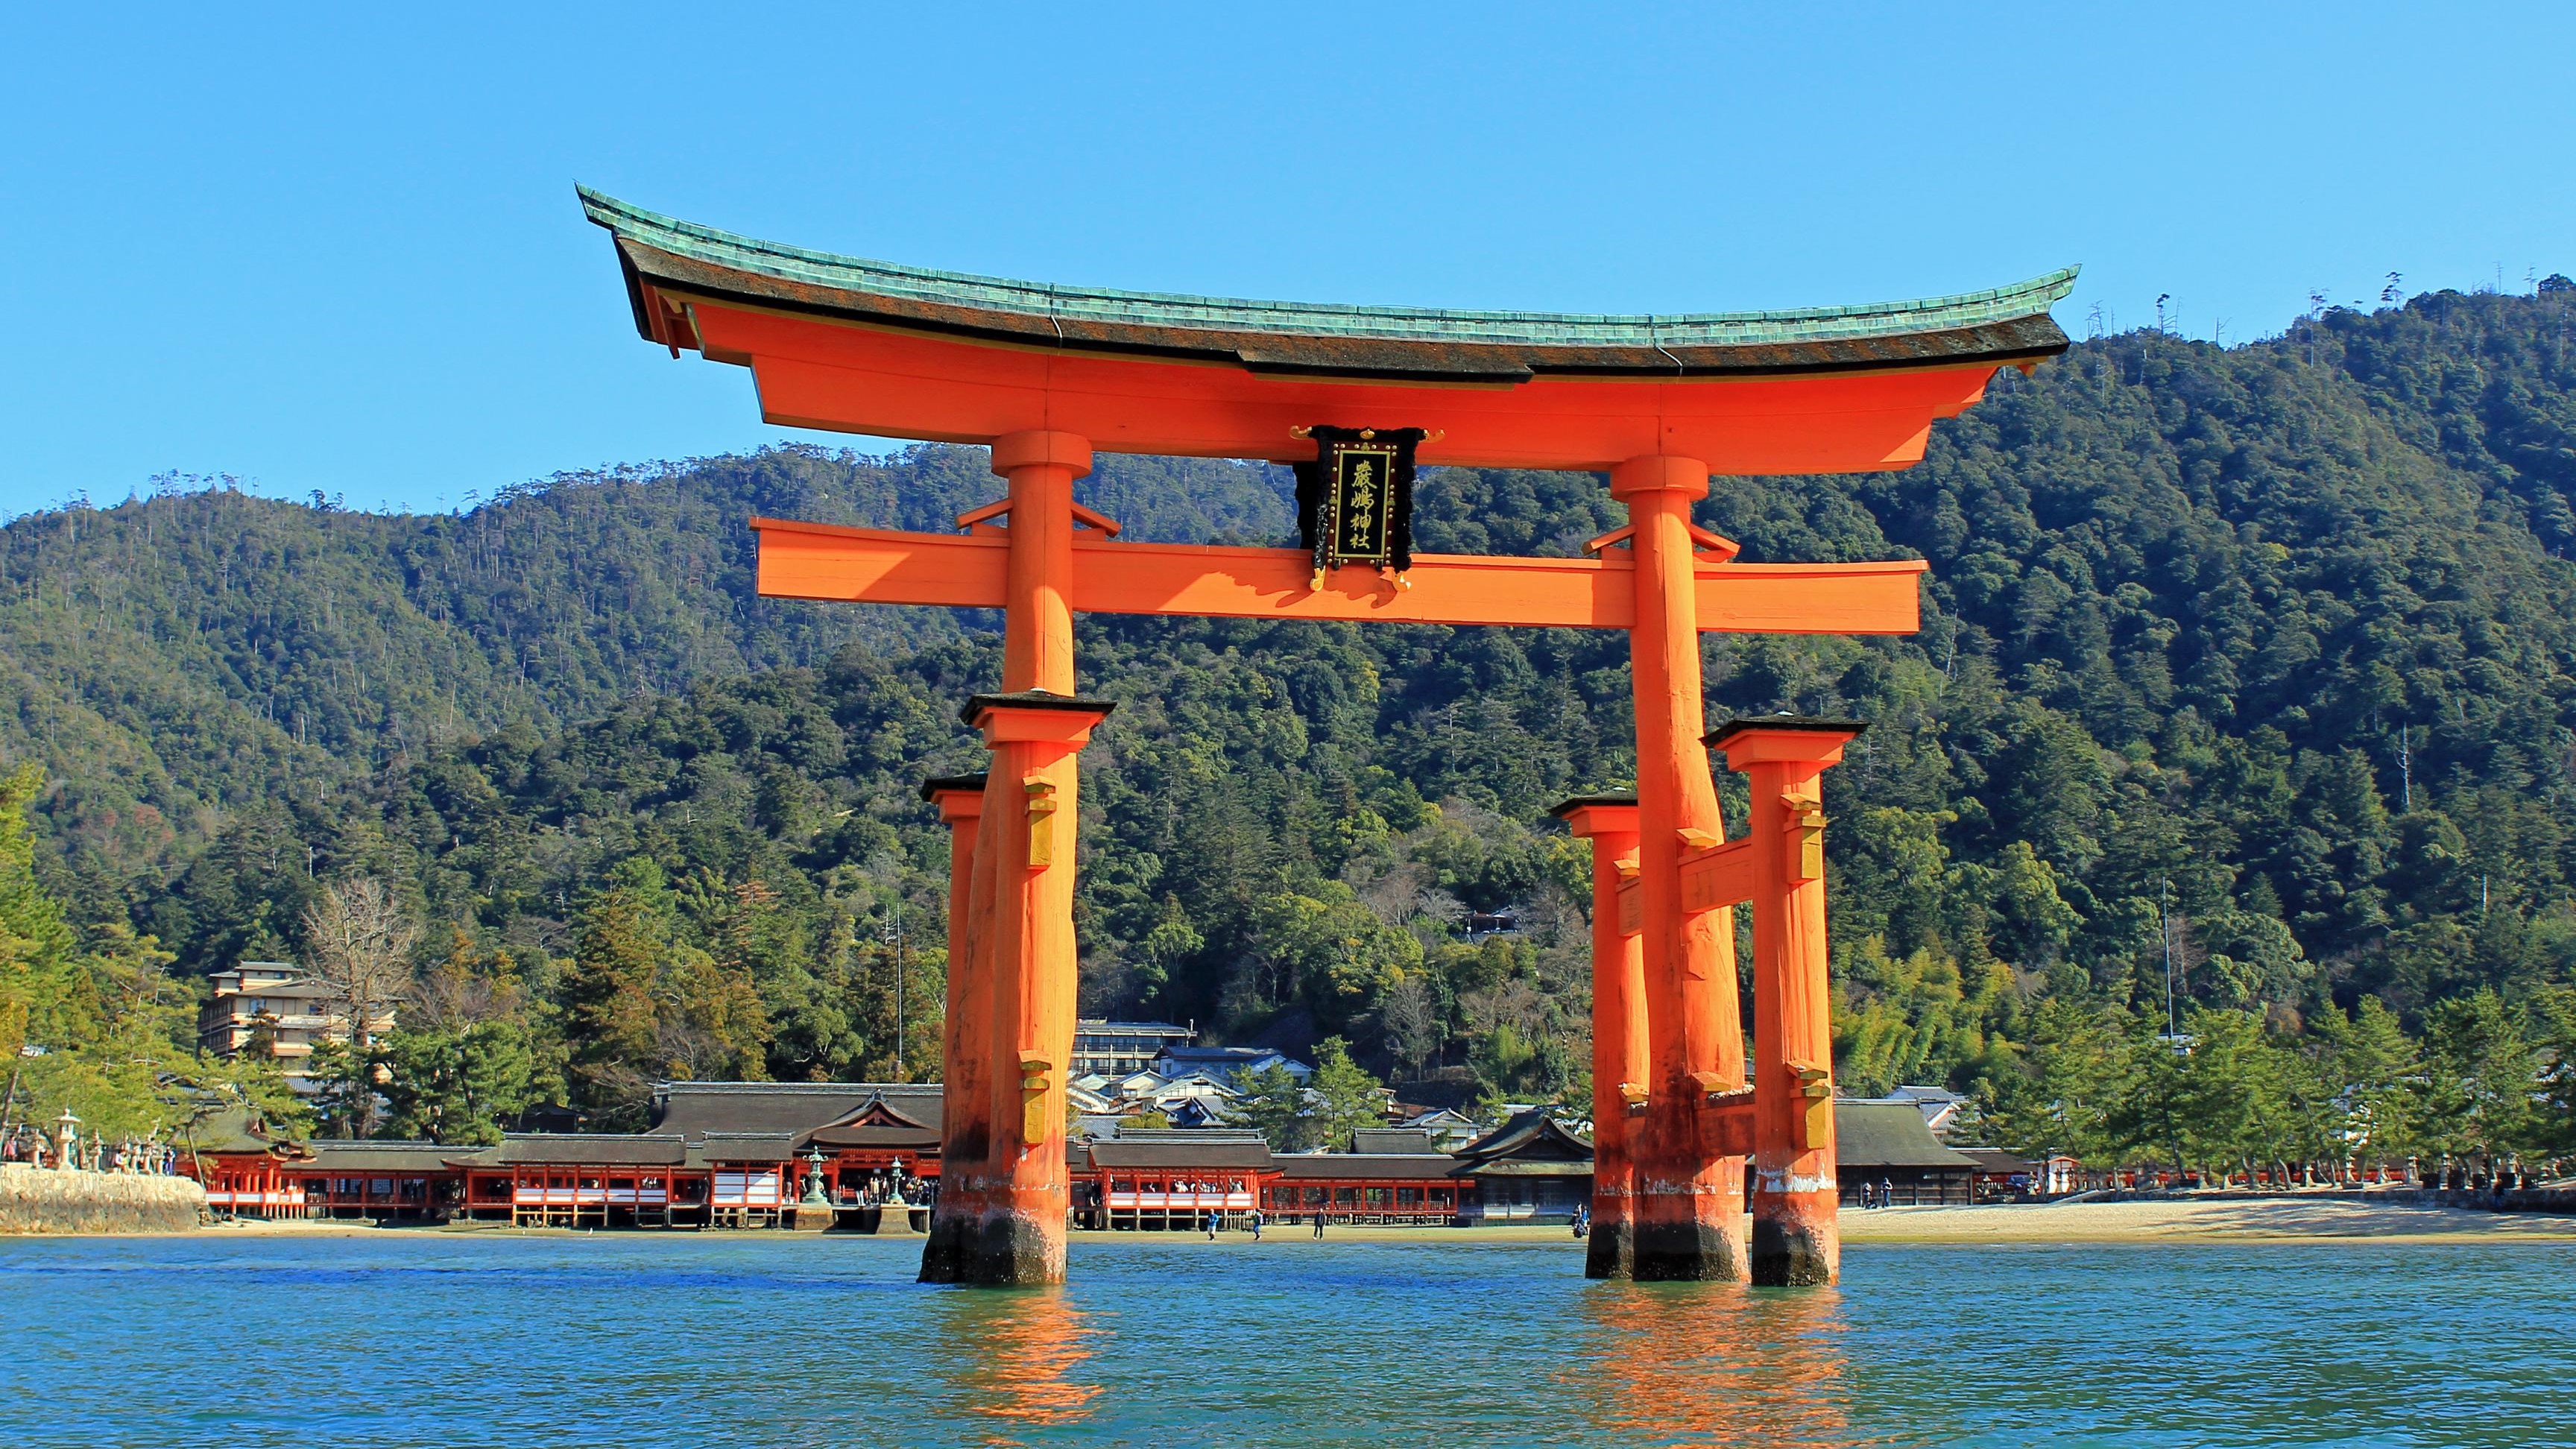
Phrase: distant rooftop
[1220,1053]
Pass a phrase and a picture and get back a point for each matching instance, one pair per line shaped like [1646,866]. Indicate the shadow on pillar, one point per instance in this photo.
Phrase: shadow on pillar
[1002,1211]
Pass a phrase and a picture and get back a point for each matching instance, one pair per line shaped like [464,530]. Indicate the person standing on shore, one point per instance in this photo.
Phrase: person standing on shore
[1256,1225]
[1319,1225]
[1211,1225]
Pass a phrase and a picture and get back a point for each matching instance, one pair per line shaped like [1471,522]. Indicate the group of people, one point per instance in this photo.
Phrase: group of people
[894,1183]
[1252,1222]
[1883,1194]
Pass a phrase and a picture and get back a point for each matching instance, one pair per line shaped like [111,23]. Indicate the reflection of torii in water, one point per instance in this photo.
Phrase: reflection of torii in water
[1015,1356]
[1680,1369]
[1044,374]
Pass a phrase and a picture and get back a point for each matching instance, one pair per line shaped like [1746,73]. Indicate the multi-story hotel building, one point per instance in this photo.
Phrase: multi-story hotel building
[275,1002]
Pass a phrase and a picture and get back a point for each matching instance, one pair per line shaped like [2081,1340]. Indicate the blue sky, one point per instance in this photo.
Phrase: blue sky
[342,254]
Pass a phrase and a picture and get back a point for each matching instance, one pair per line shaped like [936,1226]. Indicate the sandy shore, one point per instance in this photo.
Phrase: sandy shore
[2184,1220]
[1273,1233]
[2245,1220]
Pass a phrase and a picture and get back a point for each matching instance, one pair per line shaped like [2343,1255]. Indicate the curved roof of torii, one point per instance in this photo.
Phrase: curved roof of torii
[859,346]
[1416,344]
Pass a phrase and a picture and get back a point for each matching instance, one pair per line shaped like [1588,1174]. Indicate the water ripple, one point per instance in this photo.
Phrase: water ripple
[416,1338]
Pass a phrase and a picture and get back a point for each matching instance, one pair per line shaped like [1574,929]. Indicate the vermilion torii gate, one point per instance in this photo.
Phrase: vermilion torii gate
[1045,374]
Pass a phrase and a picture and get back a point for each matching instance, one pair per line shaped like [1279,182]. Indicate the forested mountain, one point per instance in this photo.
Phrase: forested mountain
[200,650]
[2248,669]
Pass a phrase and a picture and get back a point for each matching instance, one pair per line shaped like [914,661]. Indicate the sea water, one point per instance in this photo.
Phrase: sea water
[408,1337]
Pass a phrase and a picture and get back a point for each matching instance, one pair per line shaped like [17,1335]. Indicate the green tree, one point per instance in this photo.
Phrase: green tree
[611,1018]
[2374,1071]
[457,1084]
[1344,1095]
[2233,1106]
[2481,1071]
[1328,950]
[1271,1102]
[2555,1007]
[44,995]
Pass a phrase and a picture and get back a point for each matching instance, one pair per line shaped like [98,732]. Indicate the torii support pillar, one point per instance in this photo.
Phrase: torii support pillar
[1002,1143]
[1796,1236]
[967,1120]
[1619,1061]
[1689,1223]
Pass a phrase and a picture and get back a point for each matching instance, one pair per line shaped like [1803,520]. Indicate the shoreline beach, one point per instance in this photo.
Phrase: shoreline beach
[2248,1220]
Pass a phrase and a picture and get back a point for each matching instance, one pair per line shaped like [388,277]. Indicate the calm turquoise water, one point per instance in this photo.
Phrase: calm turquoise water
[416,1338]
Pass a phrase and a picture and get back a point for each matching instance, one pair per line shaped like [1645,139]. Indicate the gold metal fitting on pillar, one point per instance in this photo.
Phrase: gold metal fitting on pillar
[1033,1097]
[1806,842]
[1816,1085]
[1041,808]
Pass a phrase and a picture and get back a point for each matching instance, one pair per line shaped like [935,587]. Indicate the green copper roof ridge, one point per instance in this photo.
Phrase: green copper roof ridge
[1002,294]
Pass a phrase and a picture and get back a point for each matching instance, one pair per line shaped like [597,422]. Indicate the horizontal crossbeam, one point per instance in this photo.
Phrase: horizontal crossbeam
[881,566]
[1718,876]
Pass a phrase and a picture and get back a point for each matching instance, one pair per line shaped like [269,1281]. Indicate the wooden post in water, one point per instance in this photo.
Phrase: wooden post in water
[966,1129]
[1007,1222]
[1796,1235]
[1688,1224]
[1619,1062]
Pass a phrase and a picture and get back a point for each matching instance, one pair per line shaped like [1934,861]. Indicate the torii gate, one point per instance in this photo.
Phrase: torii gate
[1045,374]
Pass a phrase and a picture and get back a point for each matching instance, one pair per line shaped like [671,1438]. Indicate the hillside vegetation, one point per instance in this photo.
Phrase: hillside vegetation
[2250,671]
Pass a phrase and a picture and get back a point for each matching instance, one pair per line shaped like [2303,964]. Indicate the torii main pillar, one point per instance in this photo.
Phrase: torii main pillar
[1003,1191]
[1688,1224]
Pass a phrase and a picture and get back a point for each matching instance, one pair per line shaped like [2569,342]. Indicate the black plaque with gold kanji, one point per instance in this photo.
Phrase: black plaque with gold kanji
[1355,501]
